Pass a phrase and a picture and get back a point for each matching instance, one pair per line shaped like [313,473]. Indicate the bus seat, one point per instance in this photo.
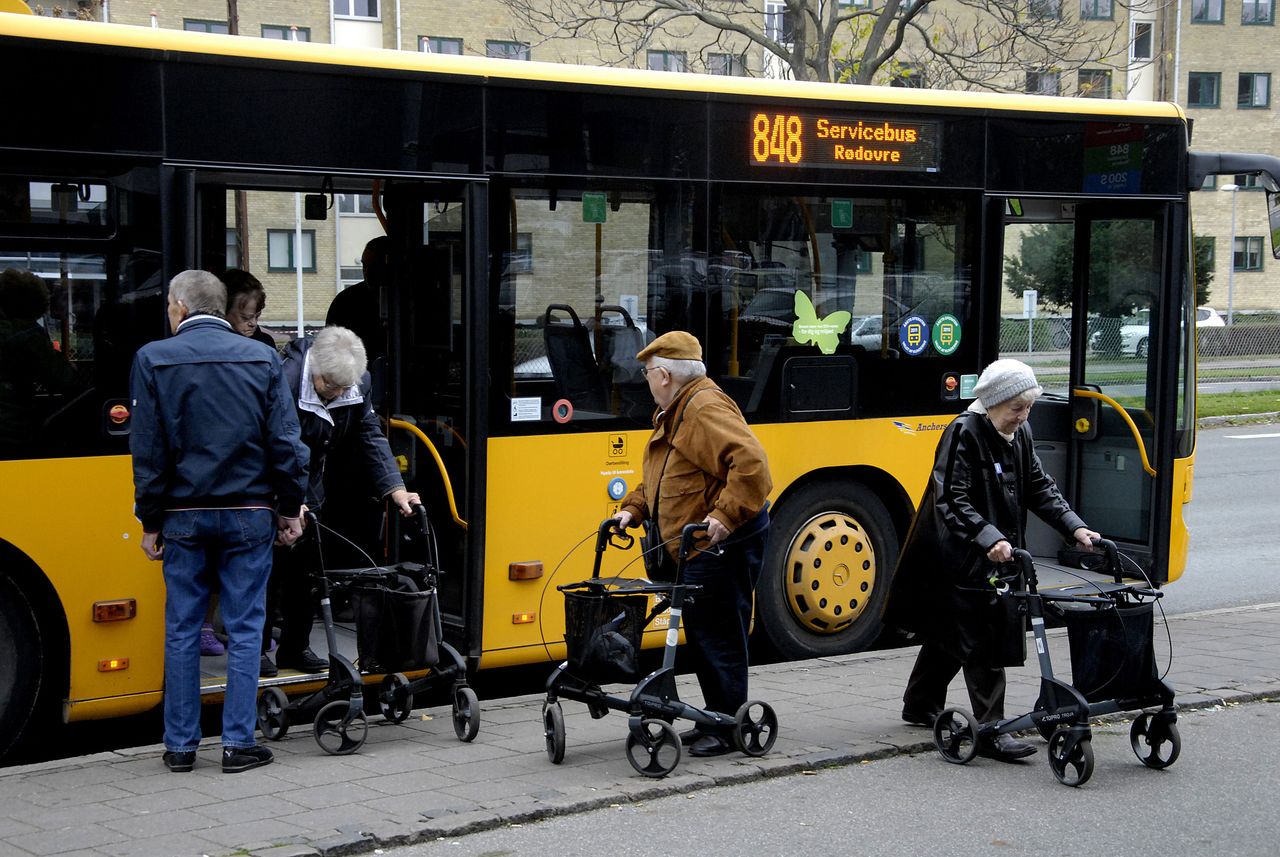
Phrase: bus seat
[573,363]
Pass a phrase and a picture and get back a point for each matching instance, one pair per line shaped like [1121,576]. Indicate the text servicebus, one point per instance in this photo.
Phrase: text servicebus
[840,251]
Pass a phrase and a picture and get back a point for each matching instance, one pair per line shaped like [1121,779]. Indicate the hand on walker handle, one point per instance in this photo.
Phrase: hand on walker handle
[1001,551]
[716,531]
[624,519]
[406,500]
[1086,537]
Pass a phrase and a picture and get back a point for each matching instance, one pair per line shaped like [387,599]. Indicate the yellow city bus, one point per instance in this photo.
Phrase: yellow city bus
[843,253]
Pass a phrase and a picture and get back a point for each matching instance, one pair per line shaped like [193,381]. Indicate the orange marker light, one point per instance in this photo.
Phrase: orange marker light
[115,611]
[523,618]
[531,570]
[107,665]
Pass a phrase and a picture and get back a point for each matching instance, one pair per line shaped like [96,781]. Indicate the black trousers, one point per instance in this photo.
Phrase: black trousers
[935,668]
[291,593]
[718,620]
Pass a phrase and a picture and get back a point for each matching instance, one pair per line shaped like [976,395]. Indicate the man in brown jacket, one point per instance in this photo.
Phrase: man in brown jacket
[703,465]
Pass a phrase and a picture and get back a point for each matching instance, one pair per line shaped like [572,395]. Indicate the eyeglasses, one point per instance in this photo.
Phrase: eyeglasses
[645,370]
[327,388]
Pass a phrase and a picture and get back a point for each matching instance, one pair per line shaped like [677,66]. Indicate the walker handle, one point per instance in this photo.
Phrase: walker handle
[1113,557]
[688,533]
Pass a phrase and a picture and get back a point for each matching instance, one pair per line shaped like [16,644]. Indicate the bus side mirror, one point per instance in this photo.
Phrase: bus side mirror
[1273,220]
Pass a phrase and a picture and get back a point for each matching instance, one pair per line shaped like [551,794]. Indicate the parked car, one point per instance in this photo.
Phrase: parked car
[1207,316]
[1134,330]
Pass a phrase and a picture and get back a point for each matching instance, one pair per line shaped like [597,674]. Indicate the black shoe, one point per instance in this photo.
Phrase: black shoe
[710,745]
[181,762]
[371,666]
[1005,748]
[920,718]
[237,759]
[267,669]
[691,736]
[305,661]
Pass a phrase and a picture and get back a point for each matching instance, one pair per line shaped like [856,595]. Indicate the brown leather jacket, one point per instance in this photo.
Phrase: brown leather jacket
[702,459]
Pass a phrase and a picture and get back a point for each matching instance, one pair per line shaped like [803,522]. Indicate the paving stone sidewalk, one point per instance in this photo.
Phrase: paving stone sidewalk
[416,781]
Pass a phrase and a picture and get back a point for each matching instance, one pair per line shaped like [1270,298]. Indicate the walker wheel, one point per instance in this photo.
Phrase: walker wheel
[1155,743]
[393,699]
[1071,764]
[553,730]
[338,732]
[755,727]
[273,714]
[653,749]
[955,734]
[466,713]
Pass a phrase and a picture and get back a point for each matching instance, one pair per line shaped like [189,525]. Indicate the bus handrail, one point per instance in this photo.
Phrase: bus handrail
[444,474]
[1124,415]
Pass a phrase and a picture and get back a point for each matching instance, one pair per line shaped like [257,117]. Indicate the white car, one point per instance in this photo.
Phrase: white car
[1207,316]
[1134,332]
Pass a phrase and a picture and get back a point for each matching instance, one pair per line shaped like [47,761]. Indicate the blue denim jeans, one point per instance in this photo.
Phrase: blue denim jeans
[232,546]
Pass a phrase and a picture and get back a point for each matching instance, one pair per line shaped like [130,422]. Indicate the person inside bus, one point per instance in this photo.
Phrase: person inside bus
[704,465]
[328,378]
[359,307]
[246,299]
[219,472]
[986,477]
[32,369]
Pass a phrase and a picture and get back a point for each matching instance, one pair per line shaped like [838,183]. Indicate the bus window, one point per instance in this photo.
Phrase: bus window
[587,278]
[863,266]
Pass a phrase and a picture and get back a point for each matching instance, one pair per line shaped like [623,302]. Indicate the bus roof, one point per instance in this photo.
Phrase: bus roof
[148,38]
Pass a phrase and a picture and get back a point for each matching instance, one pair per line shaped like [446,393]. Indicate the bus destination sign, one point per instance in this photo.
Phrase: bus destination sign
[805,139]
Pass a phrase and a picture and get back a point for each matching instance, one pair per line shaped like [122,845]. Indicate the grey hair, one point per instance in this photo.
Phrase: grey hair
[682,371]
[200,292]
[338,355]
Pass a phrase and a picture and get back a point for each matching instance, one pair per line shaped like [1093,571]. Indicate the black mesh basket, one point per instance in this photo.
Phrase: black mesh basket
[602,633]
[395,626]
[1112,653]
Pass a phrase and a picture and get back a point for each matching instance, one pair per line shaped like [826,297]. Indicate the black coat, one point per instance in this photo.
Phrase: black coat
[979,492]
[356,435]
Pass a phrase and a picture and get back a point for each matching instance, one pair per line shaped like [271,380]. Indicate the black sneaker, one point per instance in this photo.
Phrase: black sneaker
[179,762]
[238,759]
[305,661]
[267,669]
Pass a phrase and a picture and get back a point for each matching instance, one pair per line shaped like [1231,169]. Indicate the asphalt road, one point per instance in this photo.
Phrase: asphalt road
[1219,797]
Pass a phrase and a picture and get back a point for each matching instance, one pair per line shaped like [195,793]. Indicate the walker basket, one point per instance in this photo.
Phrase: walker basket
[1112,653]
[602,633]
[396,627]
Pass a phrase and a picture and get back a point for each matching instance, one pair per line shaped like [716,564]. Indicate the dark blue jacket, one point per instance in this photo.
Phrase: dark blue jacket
[356,435]
[213,425]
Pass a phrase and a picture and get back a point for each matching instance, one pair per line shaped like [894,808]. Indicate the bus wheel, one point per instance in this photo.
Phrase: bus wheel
[832,550]
[20,668]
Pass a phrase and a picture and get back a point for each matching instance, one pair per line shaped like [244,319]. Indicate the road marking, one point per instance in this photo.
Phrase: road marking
[1252,436]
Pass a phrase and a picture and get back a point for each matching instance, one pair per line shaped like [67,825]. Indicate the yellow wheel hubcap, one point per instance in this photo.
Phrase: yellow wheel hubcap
[830,572]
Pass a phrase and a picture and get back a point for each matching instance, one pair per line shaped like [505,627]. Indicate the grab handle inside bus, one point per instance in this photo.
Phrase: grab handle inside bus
[1085,393]
[435,454]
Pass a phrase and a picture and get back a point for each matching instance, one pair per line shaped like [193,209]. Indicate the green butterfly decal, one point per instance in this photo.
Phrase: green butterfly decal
[809,329]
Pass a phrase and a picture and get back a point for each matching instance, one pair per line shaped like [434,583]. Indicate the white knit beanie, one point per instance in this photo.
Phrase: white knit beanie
[1003,380]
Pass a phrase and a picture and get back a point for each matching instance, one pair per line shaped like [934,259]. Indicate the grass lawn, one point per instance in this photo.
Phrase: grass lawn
[1231,404]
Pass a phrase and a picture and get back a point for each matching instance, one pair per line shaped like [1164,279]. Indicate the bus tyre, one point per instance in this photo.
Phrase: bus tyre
[20,667]
[831,554]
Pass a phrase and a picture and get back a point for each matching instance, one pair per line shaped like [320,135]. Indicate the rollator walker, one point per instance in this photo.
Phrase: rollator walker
[1113,669]
[603,624]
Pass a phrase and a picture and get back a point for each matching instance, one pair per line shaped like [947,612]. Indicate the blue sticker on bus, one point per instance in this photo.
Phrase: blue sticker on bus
[617,488]
[913,335]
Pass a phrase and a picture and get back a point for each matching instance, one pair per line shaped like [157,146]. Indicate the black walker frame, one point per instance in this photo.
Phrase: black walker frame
[652,744]
[1062,712]
[340,725]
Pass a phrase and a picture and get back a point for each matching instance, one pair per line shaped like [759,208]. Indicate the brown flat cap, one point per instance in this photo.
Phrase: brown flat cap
[674,345]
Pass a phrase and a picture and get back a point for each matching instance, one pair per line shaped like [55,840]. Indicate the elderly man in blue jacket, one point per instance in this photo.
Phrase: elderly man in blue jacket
[219,473]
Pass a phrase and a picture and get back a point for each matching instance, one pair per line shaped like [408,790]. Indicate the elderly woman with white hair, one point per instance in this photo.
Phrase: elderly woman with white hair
[329,380]
[986,477]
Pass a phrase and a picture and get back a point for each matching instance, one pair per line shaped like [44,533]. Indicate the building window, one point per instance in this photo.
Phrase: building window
[195,25]
[355,8]
[355,203]
[1254,91]
[1046,10]
[1206,11]
[1209,183]
[1258,12]
[1097,10]
[1095,83]
[666,60]
[778,24]
[726,64]
[854,4]
[280,250]
[1247,182]
[1204,89]
[233,249]
[506,50]
[276,31]
[1248,253]
[1042,82]
[440,45]
[1140,41]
